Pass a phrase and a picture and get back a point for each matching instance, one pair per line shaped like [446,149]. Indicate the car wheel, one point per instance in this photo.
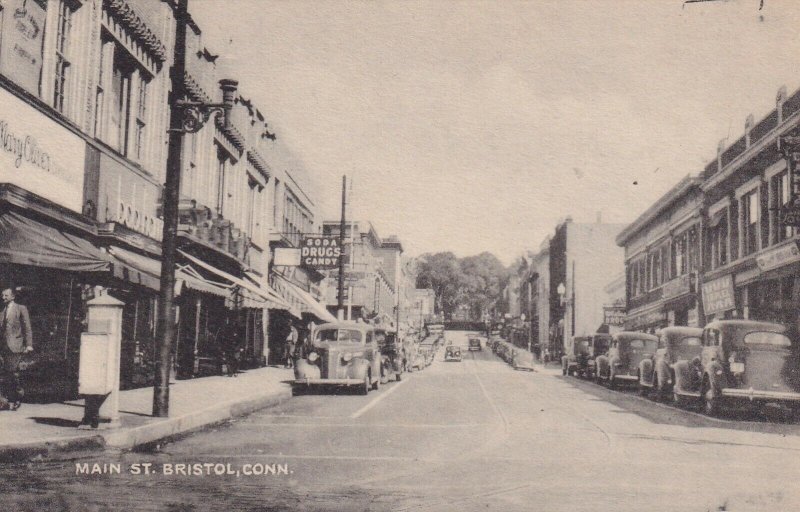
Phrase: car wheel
[612,384]
[398,377]
[711,404]
[658,389]
[677,399]
[367,384]
[563,370]
[377,384]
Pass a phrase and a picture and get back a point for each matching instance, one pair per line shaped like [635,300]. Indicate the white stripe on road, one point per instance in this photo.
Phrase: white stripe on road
[377,399]
[371,425]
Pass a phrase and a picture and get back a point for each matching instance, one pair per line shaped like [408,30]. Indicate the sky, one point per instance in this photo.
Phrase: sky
[476,126]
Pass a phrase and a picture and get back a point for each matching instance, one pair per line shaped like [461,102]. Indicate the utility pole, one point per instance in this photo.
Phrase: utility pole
[185,117]
[166,306]
[340,304]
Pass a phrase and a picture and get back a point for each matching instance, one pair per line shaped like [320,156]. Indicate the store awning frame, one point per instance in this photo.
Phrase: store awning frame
[271,299]
[313,306]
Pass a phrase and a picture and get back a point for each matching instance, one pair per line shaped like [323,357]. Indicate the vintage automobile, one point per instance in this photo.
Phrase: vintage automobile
[742,363]
[392,354]
[522,360]
[341,354]
[626,351]
[580,354]
[675,344]
[475,344]
[452,353]
[416,361]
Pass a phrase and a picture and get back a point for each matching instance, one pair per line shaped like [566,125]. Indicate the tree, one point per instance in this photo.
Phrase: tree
[440,272]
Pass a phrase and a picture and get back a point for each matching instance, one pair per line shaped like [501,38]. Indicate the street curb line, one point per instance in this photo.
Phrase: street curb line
[129,438]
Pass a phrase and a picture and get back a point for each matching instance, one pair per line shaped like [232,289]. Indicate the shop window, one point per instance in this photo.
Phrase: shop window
[749,228]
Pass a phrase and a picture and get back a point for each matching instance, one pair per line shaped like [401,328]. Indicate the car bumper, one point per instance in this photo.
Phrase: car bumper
[631,378]
[757,394]
[327,382]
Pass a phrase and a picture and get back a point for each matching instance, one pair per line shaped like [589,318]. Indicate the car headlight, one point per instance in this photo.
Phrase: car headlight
[313,356]
[347,357]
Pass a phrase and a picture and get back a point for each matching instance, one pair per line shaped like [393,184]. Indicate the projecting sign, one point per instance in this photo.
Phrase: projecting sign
[319,252]
[718,295]
[286,257]
[22,33]
[613,315]
[777,257]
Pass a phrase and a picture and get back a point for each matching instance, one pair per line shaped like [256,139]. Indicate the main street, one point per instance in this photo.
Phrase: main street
[474,435]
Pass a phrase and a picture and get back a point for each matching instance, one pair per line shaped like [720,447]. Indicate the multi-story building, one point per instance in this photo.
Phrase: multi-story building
[576,290]
[373,273]
[663,260]
[424,306]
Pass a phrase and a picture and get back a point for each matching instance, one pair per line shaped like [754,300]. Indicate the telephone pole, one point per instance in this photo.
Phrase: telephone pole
[340,304]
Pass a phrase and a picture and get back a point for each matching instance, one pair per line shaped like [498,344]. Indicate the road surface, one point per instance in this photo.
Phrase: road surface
[474,435]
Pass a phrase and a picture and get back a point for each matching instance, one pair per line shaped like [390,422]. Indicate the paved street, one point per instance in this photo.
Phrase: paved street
[474,435]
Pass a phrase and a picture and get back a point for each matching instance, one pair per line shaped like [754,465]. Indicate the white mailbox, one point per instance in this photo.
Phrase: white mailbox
[100,354]
[96,366]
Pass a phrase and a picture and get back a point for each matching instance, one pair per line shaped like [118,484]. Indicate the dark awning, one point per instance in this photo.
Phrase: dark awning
[24,241]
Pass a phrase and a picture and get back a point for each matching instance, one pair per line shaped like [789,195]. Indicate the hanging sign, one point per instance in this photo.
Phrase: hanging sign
[320,252]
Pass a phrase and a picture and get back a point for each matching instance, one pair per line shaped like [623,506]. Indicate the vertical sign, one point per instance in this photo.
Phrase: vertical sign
[21,45]
[790,215]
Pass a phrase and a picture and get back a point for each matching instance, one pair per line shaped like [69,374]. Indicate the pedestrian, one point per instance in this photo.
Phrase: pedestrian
[291,345]
[15,327]
[228,342]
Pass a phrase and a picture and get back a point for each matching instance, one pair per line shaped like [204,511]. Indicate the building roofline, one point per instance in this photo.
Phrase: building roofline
[676,192]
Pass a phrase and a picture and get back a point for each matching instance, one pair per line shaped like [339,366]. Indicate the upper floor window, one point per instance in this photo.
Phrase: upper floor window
[749,227]
[780,193]
[718,239]
[63,60]
[121,101]
[685,254]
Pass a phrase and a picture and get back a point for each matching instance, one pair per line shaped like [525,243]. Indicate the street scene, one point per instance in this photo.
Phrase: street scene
[429,255]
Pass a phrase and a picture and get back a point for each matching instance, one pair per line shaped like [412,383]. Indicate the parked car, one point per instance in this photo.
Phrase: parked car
[342,354]
[580,353]
[475,344]
[452,353]
[742,362]
[523,360]
[675,344]
[392,354]
[626,351]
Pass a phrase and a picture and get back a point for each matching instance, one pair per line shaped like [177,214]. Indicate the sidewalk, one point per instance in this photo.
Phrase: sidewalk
[40,430]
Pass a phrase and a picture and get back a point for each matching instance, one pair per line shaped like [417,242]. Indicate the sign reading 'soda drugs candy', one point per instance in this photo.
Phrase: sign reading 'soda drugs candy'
[320,252]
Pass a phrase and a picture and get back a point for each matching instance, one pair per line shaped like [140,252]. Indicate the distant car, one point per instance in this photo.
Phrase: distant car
[742,362]
[475,344]
[626,351]
[522,360]
[581,352]
[675,344]
[452,353]
[342,354]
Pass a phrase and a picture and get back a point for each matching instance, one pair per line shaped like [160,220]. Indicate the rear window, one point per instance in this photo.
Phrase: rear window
[340,335]
[691,341]
[584,343]
[767,338]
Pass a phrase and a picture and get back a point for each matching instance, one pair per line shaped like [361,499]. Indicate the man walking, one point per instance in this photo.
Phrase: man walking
[291,345]
[15,328]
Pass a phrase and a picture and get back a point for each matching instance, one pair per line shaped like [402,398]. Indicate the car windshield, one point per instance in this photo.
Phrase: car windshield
[340,335]
[767,338]
[691,341]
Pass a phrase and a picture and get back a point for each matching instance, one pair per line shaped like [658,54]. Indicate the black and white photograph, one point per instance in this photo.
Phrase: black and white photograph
[399,255]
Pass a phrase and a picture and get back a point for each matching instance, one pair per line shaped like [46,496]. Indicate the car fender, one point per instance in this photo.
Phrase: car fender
[601,363]
[646,375]
[305,370]
[716,376]
[611,362]
[663,373]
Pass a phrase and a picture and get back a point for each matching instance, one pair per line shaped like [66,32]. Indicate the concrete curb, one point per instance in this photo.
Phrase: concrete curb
[157,429]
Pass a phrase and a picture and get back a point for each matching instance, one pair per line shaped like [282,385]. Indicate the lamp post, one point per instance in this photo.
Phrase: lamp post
[567,301]
[185,117]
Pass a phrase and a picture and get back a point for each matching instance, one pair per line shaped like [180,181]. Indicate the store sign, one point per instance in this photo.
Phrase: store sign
[320,252]
[613,315]
[646,319]
[678,286]
[718,295]
[21,45]
[40,155]
[778,257]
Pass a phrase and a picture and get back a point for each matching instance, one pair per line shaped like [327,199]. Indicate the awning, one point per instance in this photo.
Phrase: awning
[270,298]
[306,302]
[27,242]
[147,271]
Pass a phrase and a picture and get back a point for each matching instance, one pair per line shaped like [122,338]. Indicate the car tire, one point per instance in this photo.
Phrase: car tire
[398,376]
[677,399]
[612,384]
[563,370]
[658,390]
[377,384]
[367,384]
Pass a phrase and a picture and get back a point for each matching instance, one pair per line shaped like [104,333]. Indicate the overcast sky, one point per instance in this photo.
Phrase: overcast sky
[473,126]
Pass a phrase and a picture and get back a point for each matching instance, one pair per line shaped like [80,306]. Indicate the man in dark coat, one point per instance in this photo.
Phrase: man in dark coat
[15,326]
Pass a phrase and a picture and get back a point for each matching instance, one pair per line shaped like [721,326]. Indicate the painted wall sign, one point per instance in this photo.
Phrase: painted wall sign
[21,44]
[718,295]
[40,155]
[779,256]
[613,315]
[320,252]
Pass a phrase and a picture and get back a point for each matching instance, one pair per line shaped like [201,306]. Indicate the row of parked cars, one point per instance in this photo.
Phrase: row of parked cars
[361,356]
[728,364]
[518,358]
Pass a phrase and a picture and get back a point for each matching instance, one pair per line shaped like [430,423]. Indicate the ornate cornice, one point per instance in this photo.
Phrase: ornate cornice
[258,162]
[126,16]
